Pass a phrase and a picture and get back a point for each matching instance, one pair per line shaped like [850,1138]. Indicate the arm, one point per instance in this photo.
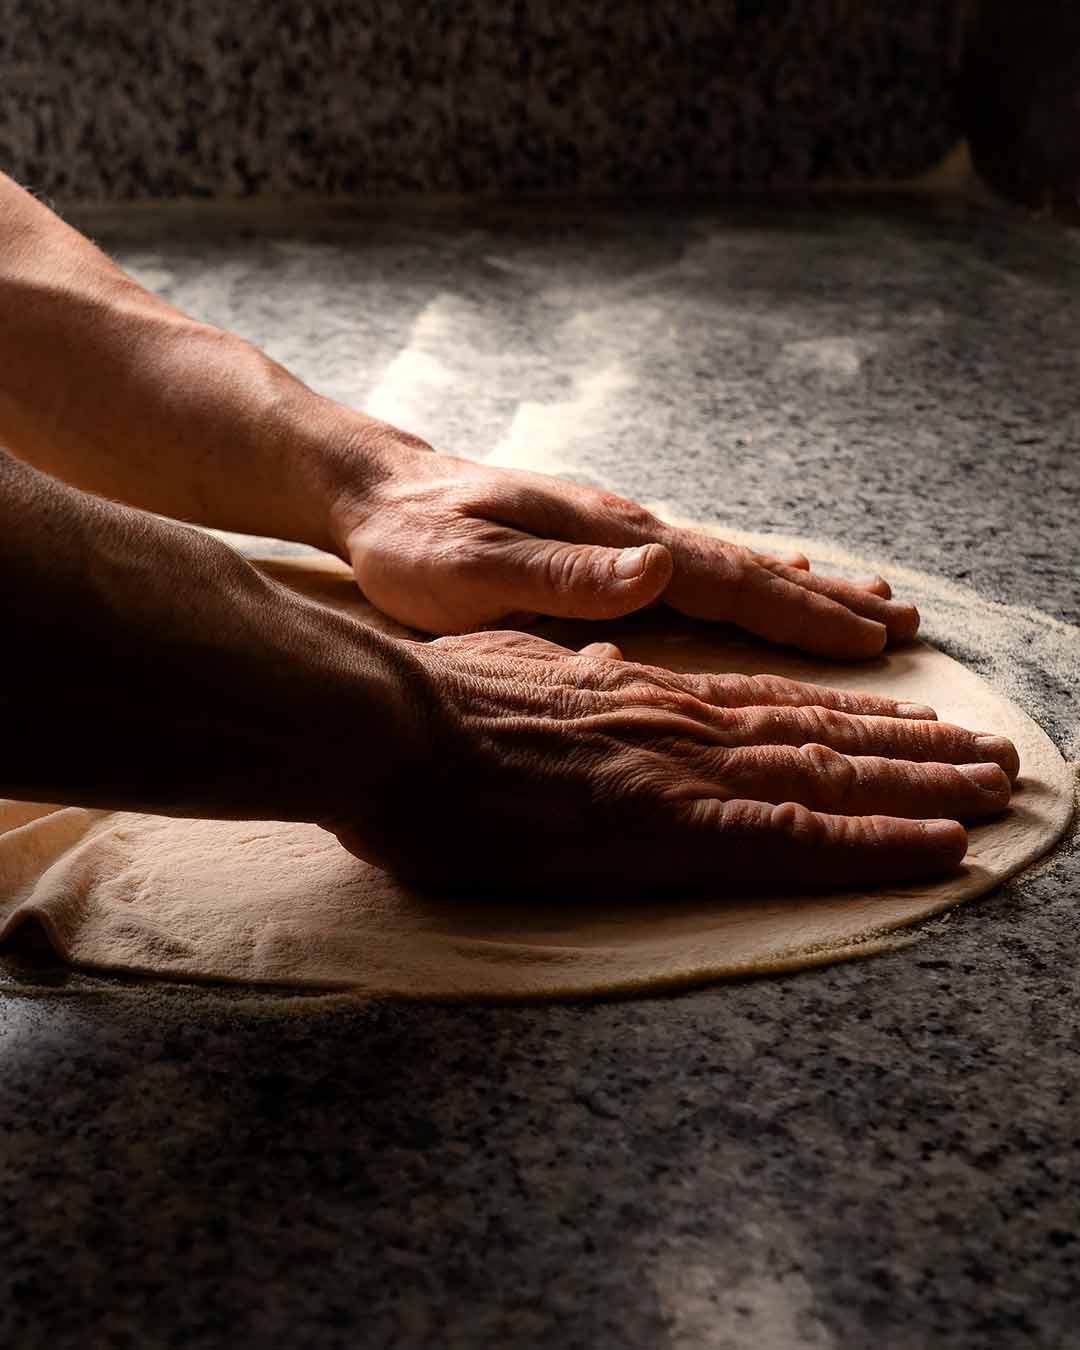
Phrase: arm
[112,389]
[150,667]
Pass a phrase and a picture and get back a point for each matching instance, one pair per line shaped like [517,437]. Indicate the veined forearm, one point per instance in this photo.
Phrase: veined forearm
[112,389]
[150,667]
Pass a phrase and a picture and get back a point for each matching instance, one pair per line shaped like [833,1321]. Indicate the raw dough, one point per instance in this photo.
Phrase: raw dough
[285,904]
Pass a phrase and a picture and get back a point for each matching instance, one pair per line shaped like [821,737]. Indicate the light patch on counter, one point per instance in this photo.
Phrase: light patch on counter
[215,295]
[706,1309]
[836,357]
[35,1031]
[152,275]
[416,378]
[541,435]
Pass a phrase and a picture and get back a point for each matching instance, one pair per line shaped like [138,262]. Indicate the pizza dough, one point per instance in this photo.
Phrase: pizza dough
[284,904]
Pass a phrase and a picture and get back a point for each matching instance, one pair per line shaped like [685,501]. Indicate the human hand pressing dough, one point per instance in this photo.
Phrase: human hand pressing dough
[447,546]
[539,764]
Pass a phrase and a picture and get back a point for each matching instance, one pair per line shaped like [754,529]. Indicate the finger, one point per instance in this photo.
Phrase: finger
[516,571]
[901,620]
[891,737]
[786,843]
[772,691]
[877,585]
[711,574]
[856,785]
[776,607]
[603,651]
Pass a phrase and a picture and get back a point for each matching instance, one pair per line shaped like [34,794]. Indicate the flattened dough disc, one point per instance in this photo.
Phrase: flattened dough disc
[285,904]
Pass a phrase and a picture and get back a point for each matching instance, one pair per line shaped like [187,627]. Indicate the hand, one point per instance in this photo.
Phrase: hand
[544,767]
[447,545]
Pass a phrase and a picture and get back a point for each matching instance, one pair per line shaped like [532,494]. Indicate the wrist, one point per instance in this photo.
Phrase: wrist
[310,463]
[158,410]
[172,415]
[343,706]
[268,705]
[359,456]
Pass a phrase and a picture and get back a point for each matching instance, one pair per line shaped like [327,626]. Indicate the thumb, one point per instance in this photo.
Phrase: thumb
[585,581]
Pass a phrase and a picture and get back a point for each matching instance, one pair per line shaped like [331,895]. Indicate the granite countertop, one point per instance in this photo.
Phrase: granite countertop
[878,1153]
[330,97]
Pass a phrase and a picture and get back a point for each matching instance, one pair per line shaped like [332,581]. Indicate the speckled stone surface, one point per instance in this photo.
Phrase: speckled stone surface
[881,1153]
[120,100]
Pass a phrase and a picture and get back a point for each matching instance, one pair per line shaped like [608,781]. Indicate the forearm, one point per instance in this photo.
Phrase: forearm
[110,388]
[150,667]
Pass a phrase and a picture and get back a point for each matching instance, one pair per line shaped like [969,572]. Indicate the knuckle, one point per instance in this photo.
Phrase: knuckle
[566,568]
[817,724]
[706,813]
[626,681]
[739,726]
[865,831]
[630,775]
[601,651]
[738,579]
[626,512]
[754,691]
[458,554]
[658,698]
[796,823]
[830,770]
[729,727]
[744,814]
[673,701]
[728,691]
[771,688]
[716,691]
[732,567]
[914,741]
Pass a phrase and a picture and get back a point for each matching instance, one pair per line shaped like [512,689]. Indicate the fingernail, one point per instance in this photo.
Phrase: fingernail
[882,633]
[631,563]
[1001,750]
[920,711]
[905,619]
[943,832]
[989,777]
[992,745]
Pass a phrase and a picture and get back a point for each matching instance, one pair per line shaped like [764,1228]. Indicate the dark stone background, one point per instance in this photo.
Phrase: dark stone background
[120,100]
[1020,99]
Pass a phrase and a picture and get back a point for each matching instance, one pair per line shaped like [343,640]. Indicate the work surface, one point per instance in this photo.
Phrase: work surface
[879,1153]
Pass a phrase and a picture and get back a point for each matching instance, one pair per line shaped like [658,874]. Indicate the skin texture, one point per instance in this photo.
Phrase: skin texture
[586,766]
[449,546]
[158,671]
